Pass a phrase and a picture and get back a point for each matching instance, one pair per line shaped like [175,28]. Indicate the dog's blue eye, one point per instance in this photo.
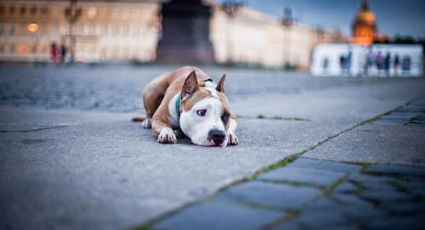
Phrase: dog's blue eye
[201,112]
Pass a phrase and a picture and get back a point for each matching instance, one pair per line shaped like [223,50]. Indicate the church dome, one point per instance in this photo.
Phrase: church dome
[365,15]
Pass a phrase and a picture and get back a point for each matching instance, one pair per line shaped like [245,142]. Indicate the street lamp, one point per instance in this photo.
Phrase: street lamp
[33,28]
[287,21]
[72,14]
[230,7]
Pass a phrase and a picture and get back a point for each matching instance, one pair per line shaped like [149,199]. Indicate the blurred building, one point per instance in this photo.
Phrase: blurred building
[253,38]
[364,26]
[105,30]
[110,30]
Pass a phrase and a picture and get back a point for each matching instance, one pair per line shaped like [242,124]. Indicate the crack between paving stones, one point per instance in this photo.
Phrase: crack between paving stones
[290,215]
[32,130]
[263,117]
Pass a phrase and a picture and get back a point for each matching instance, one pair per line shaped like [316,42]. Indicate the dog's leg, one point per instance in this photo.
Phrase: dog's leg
[151,101]
[152,96]
[164,132]
[233,139]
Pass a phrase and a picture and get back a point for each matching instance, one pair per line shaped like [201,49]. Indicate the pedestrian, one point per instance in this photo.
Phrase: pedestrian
[54,52]
[342,63]
[396,64]
[63,52]
[387,62]
[325,64]
[348,62]
[379,61]
[369,62]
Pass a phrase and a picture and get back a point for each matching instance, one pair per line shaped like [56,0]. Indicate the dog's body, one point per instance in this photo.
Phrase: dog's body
[187,100]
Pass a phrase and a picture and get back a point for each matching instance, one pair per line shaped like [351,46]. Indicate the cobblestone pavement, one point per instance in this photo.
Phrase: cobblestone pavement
[117,88]
[313,194]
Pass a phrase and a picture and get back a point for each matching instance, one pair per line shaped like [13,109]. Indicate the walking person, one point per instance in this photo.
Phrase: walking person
[63,53]
[348,62]
[396,64]
[54,52]
[387,63]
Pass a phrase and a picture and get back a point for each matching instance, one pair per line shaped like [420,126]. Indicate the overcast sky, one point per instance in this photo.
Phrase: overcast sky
[404,17]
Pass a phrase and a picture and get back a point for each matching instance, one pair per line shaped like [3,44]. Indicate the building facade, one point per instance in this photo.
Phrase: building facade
[250,37]
[109,31]
[105,31]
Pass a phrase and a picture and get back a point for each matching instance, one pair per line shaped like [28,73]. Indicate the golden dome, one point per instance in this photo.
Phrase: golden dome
[365,15]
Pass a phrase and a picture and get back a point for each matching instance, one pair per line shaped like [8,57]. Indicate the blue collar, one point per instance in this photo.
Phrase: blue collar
[178,102]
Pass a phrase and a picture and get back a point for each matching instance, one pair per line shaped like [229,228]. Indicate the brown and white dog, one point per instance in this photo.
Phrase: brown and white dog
[187,100]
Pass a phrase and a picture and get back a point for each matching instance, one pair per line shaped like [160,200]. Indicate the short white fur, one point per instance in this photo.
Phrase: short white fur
[197,127]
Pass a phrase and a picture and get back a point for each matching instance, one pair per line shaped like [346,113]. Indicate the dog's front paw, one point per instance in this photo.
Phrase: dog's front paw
[233,139]
[166,136]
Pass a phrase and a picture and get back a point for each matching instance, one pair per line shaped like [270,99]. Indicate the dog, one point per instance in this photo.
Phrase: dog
[188,101]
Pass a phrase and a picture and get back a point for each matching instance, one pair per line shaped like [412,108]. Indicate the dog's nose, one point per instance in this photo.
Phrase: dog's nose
[217,136]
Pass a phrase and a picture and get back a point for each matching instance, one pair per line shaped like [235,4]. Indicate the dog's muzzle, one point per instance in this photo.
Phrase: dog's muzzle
[217,136]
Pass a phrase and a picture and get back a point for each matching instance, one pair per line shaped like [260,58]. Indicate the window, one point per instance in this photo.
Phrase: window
[33,10]
[12,10]
[44,11]
[23,10]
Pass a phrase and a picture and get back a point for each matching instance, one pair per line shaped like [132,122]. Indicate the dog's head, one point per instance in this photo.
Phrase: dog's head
[205,112]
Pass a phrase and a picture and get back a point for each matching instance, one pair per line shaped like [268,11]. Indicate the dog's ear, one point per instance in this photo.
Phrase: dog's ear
[220,85]
[190,85]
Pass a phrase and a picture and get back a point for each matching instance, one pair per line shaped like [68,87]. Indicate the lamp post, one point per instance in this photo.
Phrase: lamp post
[230,7]
[287,22]
[72,14]
[33,29]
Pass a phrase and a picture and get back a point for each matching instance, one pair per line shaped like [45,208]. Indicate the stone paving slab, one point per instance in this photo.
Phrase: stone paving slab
[218,216]
[395,144]
[346,187]
[304,162]
[311,219]
[395,138]
[396,170]
[317,177]
[271,195]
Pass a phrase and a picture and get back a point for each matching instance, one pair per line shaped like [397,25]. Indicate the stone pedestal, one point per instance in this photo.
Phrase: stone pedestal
[185,33]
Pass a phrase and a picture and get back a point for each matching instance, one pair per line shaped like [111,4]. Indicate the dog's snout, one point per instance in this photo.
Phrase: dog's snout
[218,136]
